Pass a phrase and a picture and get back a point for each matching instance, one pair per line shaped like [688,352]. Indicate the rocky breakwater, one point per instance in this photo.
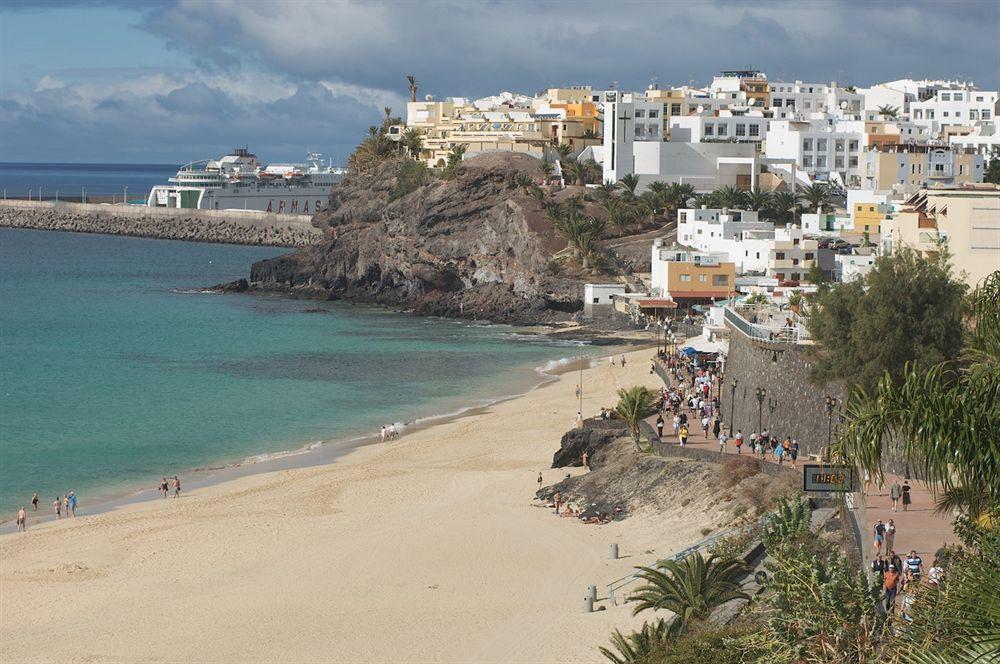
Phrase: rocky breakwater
[193,225]
[473,245]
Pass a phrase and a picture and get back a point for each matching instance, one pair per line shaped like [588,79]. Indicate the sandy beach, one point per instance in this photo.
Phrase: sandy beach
[426,549]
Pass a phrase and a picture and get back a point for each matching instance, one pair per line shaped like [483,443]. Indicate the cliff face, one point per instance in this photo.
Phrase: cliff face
[473,246]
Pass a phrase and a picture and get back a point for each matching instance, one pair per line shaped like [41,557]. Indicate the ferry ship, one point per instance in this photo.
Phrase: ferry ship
[239,181]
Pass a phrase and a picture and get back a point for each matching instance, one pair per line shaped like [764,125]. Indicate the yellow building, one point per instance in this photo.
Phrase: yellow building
[868,217]
[966,220]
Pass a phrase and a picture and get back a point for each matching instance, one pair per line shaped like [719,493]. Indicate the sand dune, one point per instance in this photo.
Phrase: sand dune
[427,549]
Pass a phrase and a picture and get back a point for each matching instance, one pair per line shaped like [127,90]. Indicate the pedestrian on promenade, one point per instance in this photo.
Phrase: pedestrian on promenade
[779,453]
[716,427]
[34,503]
[704,426]
[723,439]
[683,433]
[894,559]
[57,507]
[891,585]
[177,487]
[895,491]
[794,452]
[890,535]
[914,565]
[577,391]
[659,425]
[879,568]
[906,495]
[739,442]
[879,536]
[677,423]
[22,520]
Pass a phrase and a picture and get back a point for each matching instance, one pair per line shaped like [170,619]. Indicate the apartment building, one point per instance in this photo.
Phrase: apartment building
[792,255]
[822,147]
[724,125]
[737,234]
[689,277]
[906,168]
[868,217]
[983,138]
[798,98]
[959,105]
[966,220]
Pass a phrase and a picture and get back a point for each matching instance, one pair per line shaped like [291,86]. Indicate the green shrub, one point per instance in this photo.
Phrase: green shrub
[705,644]
[736,469]
[411,176]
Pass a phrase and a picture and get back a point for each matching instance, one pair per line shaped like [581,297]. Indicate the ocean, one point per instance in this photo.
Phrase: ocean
[118,368]
[18,180]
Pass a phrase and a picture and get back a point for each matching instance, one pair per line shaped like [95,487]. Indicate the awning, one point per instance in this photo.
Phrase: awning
[702,345]
[656,303]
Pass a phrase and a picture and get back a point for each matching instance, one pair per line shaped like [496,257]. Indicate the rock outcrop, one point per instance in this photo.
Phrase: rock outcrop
[474,246]
[593,437]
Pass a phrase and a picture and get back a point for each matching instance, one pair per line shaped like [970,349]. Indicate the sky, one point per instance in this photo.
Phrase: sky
[169,81]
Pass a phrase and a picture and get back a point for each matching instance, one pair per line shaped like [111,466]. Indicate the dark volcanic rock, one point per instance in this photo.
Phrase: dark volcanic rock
[595,435]
[473,246]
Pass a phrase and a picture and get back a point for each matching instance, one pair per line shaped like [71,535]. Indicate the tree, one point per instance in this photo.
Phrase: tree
[817,195]
[634,405]
[455,156]
[590,134]
[411,83]
[413,141]
[546,169]
[785,206]
[564,150]
[691,588]
[574,172]
[619,214]
[992,172]
[607,190]
[909,308]
[944,418]
[636,647]
[628,184]
[372,151]
[889,111]
[758,199]
[730,197]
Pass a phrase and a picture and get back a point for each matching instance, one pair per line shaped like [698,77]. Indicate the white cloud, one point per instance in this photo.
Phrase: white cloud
[48,83]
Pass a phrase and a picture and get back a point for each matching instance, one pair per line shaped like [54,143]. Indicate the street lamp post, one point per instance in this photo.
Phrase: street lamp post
[831,405]
[732,407]
[125,197]
[761,395]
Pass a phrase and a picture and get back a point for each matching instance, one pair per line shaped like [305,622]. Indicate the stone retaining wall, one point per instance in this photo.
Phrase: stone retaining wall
[223,226]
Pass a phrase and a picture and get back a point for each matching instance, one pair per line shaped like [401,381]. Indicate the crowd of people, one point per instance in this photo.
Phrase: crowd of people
[65,506]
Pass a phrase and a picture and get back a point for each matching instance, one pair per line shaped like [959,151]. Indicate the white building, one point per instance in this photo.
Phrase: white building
[826,224]
[824,148]
[848,267]
[737,234]
[598,298]
[984,139]
[954,106]
[724,125]
[798,98]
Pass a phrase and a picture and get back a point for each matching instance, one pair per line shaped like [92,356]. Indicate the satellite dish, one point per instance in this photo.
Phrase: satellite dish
[428,97]
[751,101]
[936,135]
[700,109]
[843,104]
[651,87]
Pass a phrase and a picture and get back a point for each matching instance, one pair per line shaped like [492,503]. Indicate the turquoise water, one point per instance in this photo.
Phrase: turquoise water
[115,369]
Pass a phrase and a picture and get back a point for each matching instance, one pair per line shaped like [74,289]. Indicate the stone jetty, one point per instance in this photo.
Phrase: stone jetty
[221,226]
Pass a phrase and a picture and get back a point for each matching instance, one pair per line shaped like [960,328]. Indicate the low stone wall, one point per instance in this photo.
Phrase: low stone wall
[222,226]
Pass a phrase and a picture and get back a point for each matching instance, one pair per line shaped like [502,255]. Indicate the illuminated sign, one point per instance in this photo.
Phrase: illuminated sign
[818,477]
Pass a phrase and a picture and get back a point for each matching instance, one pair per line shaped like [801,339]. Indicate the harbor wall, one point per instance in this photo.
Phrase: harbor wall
[222,226]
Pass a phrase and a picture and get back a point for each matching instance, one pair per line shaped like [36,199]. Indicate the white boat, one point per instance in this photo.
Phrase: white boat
[239,181]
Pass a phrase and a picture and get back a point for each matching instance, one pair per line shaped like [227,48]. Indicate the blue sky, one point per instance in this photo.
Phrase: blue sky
[174,80]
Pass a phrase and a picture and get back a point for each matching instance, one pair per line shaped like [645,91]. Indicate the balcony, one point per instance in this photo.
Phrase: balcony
[771,331]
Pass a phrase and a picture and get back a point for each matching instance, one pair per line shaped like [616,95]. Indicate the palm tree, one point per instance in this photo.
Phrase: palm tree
[606,190]
[546,168]
[637,647]
[758,199]
[574,172]
[628,184]
[524,181]
[889,111]
[706,200]
[411,82]
[785,205]
[413,141]
[691,588]
[634,405]
[730,197]
[817,195]
[683,193]
[564,150]
[943,421]
[590,133]
[591,171]
[619,214]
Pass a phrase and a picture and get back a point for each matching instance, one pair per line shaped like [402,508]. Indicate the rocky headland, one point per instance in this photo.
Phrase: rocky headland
[474,245]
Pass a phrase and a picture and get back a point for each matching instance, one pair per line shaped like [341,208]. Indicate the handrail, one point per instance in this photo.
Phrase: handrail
[785,334]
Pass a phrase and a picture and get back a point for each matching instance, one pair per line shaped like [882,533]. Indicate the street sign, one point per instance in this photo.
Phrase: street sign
[825,477]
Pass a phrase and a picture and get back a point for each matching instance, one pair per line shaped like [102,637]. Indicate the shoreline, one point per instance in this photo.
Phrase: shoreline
[307,455]
[434,538]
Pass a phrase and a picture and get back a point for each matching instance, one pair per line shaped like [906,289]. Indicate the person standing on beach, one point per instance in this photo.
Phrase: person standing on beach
[577,391]
[177,487]
[612,360]
[895,491]
[164,487]
[384,432]
[22,520]
[585,459]
[57,506]
[72,503]
[539,480]
[65,504]
[623,361]
[34,503]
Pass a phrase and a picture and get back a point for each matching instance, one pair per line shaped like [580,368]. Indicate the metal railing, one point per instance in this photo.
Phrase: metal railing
[785,334]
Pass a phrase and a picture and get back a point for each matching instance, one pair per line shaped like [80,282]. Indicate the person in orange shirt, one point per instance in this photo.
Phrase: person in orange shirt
[891,584]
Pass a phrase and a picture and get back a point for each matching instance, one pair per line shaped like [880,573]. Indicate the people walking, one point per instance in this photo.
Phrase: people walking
[623,361]
[22,520]
[794,452]
[891,584]
[879,536]
[739,441]
[906,495]
[895,491]
[683,434]
[890,535]
[72,503]
[177,487]
[57,507]
[165,487]
[723,439]
[34,503]
[914,565]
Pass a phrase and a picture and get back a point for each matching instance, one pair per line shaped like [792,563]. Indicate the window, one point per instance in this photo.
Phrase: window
[985,114]
[945,96]
[597,300]
[703,278]
[776,102]
[755,130]
[741,129]
[685,277]
[640,113]
[723,130]
[720,279]
[958,114]
[779,255]
[957,96]
[871,208]
[973,114]
[961,169]
[809,255]
[979,97]
[945,114]
[807,144]
[807,161]
[852,146]
[653,114]
[838,162]
[821,161]
[839,143]
[675,109]
[852,162]
[709,129]
[807,104]
[820,145]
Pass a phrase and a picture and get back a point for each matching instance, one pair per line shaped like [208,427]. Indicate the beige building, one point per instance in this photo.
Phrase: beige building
[966,220]
[912,167]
